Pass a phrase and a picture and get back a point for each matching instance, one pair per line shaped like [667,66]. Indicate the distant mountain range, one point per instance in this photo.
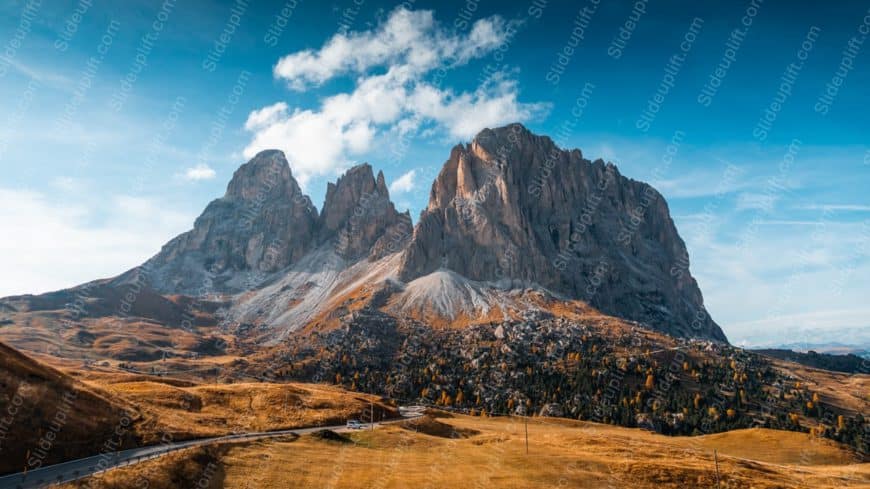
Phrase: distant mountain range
[828,348]
[823,340]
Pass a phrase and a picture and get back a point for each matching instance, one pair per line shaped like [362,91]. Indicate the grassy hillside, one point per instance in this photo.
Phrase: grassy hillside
[205,410]
[47,417]
[464,451]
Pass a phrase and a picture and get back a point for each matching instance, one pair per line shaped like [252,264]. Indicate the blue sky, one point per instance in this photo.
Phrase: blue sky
[98,172]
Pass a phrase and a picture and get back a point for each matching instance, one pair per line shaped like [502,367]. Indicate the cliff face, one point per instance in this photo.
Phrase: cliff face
[262,224]
[359,216]
[511,206]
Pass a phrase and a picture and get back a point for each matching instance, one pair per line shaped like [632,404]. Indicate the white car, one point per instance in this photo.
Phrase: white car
[353,424]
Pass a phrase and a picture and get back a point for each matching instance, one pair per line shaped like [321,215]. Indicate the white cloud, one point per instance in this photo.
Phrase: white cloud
[847,326]
[755,201]
[845,318]
[43,75]
[59,245]
[701,184]
[199,172]
[785,222]
[266,116]
[67,184]
[837,207]
[464,115]
[408,38]
[397,99]
[405,183]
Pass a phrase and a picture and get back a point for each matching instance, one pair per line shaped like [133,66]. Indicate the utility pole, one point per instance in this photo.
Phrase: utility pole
[527,434]
[372,417]
[716,459]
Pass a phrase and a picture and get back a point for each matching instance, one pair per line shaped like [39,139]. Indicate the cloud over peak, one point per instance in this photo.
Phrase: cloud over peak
[411,39]
[404,183]
[199,172]
[394,93]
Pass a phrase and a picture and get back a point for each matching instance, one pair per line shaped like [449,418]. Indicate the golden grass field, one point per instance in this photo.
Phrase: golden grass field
[199,411]
[87,411]
[462,451]
[42,407]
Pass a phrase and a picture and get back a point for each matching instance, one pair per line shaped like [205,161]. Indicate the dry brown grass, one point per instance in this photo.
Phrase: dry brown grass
[49,417]
[199,411]
[138,343]
[133,410]
[569,454]
[847,391]
[562,453]
[198,467]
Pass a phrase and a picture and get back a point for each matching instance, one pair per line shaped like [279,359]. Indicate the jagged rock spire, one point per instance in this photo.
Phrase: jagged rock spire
[359,217]
[262,224]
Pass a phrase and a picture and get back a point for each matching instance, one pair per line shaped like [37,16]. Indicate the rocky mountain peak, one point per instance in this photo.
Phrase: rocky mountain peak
[262,224]
[345,194]
[359,216]
[511,205]
[266,176]
[381,183]
[492,141]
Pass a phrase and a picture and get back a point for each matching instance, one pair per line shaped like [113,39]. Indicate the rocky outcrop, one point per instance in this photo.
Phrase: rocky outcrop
[359,218]
[511,206]
[264,224]
[261,225]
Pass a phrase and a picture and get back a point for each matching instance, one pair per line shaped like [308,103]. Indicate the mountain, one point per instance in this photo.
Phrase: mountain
[514,226]
[264,224]
[261,225]
[512,206]
[360,217]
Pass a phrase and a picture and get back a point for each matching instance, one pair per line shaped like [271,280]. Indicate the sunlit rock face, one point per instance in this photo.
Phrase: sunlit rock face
[513,207]
[360,218]
[262,224]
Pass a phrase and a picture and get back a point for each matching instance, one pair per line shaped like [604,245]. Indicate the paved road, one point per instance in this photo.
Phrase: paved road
[83,467]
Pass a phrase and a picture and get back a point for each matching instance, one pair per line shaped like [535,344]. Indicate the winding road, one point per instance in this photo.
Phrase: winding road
[84,467]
